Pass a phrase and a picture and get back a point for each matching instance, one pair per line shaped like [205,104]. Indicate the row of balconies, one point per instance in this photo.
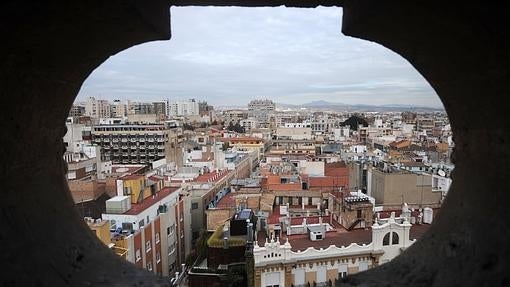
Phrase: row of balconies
[116,146]
[134,152]
[127,157]
[131,139]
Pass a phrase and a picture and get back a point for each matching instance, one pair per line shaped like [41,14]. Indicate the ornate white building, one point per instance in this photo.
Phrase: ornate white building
[277,264]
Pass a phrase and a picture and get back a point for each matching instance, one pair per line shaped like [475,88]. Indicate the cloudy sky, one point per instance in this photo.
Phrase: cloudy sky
[229,56]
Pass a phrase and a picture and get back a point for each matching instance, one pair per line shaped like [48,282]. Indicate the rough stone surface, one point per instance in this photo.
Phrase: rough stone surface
[50,47]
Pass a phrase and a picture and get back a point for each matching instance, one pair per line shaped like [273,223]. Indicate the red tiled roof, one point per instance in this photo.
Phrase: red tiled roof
[339,237]
[227,201]
[273,218]
[212,176]
[137,208]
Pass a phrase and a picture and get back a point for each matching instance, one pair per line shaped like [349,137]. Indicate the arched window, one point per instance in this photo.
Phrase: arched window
[386,239]
[394,238]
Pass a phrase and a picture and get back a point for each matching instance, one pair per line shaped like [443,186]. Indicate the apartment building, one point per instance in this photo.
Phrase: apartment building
[95,108]
[182,108]
[153,230]
[293,141]
[133,144]
[392,187]
[261,110]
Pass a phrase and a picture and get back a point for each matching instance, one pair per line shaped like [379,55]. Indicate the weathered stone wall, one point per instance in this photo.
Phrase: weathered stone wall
[50,47]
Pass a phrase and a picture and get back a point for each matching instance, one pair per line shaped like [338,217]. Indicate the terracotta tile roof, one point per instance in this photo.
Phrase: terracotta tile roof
[211,176]
[227,201]
[339,237]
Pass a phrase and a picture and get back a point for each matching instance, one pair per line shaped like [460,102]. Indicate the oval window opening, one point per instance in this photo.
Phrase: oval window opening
[263,129]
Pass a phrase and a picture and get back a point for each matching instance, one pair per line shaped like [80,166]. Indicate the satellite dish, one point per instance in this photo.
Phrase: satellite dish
[441,172]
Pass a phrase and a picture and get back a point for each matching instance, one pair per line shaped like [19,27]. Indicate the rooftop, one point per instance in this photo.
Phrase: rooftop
[227,201]
[212,176]
[128,169]
[339,237]
[137,208]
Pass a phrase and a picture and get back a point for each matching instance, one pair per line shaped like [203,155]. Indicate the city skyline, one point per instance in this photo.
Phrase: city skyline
[229,56]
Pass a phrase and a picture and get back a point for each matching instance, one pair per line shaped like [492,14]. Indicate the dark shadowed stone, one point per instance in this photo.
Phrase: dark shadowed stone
[50,47]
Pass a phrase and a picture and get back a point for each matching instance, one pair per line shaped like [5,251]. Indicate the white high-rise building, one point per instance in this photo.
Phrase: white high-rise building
[182,108]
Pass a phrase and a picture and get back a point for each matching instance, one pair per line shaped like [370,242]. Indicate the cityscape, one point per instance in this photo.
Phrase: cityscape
[255,143]
[265,194]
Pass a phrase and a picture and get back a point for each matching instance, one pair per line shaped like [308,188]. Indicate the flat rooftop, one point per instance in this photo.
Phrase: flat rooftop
[137,208]
[227,201]
[212,176]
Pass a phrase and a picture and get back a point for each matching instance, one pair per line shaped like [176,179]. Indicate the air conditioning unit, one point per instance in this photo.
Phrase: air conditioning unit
[317,232]
[314,236]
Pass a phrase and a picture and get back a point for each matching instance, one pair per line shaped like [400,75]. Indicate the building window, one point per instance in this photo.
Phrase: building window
[194,205]
[149,266]
[141,223]
[386,239]
[394,238]
[127,226]
[158,257]
[272,279]
[310,201]
[171,248]
[342,271]
[363,266]
[170,230]
[147,246]
[138,256]
[157,237]
[321,274]
[299,276]
[359,213]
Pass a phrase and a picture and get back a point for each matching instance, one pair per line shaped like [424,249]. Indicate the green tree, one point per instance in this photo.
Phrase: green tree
[354,121]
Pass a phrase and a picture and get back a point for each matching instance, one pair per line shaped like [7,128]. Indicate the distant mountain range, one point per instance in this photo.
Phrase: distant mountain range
[331,106]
